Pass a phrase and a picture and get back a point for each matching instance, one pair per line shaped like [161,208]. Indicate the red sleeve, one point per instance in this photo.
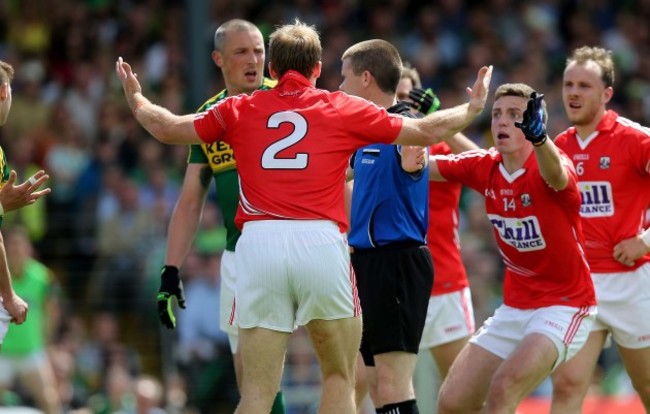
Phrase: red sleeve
[469,168]
[644,152]
[367,121]
[210,125]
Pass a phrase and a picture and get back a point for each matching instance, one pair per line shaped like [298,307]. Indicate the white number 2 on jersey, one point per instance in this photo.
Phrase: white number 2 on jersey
[269,157]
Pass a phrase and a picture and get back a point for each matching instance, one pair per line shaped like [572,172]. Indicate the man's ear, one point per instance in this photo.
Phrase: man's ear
[217,59]
[317,69]
[608,93]
[366,77]
[4,91]
[272,72]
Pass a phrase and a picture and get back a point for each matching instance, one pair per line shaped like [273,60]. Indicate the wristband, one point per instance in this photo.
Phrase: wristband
[169,268]
[541,142]
[645,236]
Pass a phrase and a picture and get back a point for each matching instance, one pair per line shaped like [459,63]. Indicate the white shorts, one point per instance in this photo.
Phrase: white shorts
[450,317]
[227,299]
[5,320]
[624,306]
[10,367]
[290,272]
[567,327]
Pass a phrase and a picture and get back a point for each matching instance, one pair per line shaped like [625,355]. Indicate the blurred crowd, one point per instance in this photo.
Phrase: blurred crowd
[102,229]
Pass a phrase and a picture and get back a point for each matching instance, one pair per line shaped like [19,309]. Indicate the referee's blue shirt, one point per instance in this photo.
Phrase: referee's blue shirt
[389,205]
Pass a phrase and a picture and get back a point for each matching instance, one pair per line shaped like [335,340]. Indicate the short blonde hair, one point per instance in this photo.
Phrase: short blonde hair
[601,57]
[6,72]
[295,47]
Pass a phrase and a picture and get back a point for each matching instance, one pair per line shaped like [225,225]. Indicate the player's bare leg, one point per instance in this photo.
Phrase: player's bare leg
[466,386]
[336,343]
[394,377]
[262,351]
[571,380]
[445,354]
[637,365]
[360,383]
[520,374]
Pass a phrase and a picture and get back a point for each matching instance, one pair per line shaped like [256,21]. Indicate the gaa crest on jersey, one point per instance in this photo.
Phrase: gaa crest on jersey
[525,200]
[604,163]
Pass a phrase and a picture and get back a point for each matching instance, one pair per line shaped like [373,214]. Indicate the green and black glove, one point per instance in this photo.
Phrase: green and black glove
[532,123]
[424,100]
[171,286]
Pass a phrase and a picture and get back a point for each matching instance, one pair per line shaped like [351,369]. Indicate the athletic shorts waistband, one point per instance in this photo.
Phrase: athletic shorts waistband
[406,244]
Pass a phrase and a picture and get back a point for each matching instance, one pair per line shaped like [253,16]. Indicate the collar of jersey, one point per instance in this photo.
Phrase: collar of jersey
[291,76]
[606,124]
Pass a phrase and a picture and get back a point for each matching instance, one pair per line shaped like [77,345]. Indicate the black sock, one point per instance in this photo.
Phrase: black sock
[404,407]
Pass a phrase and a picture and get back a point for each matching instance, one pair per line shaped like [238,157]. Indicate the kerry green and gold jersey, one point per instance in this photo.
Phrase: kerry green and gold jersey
[221,159]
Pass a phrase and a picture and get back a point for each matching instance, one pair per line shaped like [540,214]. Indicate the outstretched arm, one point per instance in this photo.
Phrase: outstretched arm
[158,121]
[459,142]
[444,123]
[434,172]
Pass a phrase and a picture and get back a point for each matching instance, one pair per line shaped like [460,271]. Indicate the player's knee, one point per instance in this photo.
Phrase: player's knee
[569,386]
[450,402]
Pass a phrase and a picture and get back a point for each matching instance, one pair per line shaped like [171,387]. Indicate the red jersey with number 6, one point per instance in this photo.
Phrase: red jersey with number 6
[537,229]
[613,166]
[292,146]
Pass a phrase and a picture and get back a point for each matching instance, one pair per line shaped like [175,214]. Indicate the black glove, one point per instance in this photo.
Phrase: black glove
[533,123]
[424,100]
[171,286]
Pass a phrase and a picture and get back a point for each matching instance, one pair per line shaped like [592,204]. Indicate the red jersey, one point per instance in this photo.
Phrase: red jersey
[292,145]
[537,229]
[613,166]
[442,236]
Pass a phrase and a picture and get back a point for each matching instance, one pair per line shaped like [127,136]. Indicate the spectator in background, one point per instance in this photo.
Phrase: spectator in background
[124,240]
[32,217]
[29,110]
[24,355]
[103,349]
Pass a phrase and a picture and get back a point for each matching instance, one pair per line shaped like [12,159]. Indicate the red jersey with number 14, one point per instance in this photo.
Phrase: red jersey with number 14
[613,166]
[537,229]
[292,146]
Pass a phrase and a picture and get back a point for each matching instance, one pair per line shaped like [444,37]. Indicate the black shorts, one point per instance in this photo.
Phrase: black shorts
[394,284]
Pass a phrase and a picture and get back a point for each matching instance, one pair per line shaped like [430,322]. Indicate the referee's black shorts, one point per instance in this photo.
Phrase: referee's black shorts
[394,284]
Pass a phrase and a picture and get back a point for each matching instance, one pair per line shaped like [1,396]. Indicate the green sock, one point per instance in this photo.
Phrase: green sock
[278,404]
